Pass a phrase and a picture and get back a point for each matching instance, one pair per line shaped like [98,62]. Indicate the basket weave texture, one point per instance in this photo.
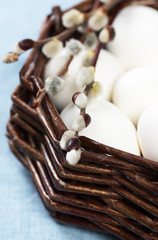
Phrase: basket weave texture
[108,190]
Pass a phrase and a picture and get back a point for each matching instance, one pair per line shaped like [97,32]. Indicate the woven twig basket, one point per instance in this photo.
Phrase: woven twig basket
[108,190]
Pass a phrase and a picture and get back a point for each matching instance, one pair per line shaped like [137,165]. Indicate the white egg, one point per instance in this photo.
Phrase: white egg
[135,91]
[148,132]
[64,97]
[56,63]
[82,59]
[53,67]
[108,70]
[108,125]
[135,42]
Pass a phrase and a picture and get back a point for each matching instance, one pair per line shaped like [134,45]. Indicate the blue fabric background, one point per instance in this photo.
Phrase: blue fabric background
[22,214]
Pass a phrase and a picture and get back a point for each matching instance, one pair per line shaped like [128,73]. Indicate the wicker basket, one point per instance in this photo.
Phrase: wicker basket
[111,190]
